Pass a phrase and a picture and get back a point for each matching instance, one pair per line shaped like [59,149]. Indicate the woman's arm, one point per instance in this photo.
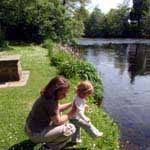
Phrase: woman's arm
[60,119]
[63,107]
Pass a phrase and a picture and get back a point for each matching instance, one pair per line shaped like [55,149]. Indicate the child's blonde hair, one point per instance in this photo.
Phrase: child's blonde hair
[85,87]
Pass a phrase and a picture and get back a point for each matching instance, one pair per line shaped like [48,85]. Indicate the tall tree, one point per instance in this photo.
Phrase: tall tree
[72,5]
[115,21]
[94,24]
[34,20]
[140,7]
[139,10]
[146,25]
[81,13]
[69,2]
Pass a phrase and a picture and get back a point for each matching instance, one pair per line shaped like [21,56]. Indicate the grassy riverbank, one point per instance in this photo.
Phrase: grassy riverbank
[15,103]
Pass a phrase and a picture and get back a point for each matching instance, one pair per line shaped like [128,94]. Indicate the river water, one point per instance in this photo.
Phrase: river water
[125,72]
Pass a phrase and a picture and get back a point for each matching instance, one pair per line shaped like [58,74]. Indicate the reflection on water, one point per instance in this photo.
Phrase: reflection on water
[125,70]
[139,60]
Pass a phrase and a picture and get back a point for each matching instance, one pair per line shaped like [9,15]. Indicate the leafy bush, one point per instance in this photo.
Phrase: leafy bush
[85,71]
[70,66]
[49,44]
[58,58]
[15,104]
[3,43]
[30,20]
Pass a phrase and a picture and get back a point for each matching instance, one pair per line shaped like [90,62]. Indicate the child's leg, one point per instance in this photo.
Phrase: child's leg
[95,131]
[76,135]
[90,129]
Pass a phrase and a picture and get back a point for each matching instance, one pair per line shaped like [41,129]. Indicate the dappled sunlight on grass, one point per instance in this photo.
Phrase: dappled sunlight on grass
[16,103]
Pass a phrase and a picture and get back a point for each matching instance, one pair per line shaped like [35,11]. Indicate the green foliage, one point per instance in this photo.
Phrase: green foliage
[139,9]
[81,13]
[59,57]
[137,15]
[116,20]
[70,66]
[109,25]
[16,103]
[65,21]
[146,25]
[72,5]
[85,71]
[110,139]
[1,40]
[49,44]
[3,43]
[36,20]
[94,24]
[74,30]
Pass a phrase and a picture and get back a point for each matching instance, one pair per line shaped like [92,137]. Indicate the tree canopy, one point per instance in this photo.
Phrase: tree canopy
[120,22]
[66,20]
[34,20]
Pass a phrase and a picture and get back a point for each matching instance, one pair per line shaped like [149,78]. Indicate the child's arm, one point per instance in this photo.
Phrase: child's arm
[80,111]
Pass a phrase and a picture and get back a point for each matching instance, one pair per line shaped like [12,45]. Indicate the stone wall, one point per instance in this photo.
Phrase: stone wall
[10,68]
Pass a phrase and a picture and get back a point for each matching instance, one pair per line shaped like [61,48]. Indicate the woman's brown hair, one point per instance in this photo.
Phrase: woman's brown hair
[57,83]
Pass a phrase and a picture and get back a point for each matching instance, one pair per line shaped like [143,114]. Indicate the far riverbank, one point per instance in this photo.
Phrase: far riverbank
[101,41]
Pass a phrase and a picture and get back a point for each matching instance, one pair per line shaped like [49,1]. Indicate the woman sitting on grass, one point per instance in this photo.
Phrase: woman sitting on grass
[44,123]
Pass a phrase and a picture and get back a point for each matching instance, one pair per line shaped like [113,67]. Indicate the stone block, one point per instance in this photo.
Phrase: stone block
[10,68]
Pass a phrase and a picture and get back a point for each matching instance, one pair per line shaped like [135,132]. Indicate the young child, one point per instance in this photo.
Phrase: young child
[80,120]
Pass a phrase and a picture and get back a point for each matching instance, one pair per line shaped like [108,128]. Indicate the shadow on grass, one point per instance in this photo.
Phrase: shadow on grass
[24,145]
[84,148]
[6,48]
[29,145]
[70,145]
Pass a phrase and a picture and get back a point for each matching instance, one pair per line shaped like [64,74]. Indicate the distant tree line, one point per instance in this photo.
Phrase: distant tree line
[66,20]
[120,22]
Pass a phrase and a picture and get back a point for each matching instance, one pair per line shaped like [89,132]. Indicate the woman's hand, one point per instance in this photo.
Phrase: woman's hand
[72,111]
[58,119]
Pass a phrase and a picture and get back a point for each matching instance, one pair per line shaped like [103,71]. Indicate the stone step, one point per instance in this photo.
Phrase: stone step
[10,68]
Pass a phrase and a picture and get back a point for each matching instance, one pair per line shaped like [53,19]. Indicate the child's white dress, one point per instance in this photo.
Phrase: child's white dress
[81,120]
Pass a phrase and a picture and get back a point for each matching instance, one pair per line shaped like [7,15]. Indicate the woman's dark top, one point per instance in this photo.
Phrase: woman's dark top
[41,113]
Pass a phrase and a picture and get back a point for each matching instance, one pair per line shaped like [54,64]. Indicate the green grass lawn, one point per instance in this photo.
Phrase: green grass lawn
[15,103]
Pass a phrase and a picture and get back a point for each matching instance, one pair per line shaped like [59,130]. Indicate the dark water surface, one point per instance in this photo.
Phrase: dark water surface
[125,71]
